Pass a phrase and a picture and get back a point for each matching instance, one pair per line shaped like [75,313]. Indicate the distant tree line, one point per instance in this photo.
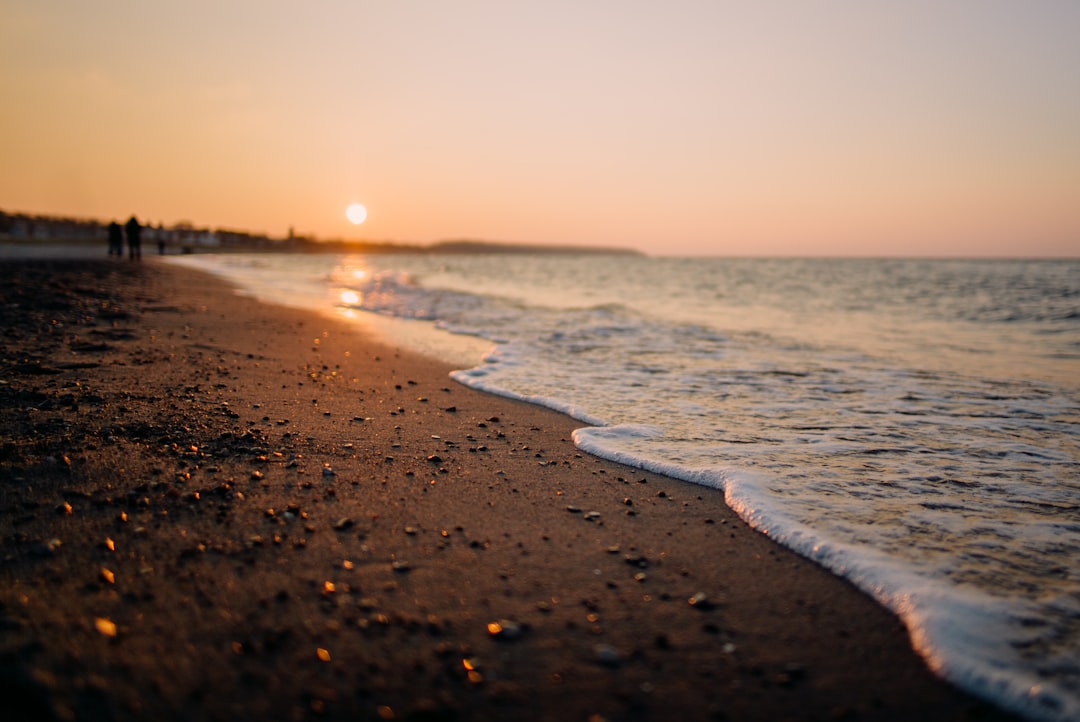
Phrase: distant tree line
[184,237]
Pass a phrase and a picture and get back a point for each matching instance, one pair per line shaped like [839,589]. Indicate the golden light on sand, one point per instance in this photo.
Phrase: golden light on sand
[356,213]
[350,298]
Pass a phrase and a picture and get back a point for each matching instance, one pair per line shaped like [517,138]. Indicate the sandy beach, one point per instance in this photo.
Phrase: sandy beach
[217,509]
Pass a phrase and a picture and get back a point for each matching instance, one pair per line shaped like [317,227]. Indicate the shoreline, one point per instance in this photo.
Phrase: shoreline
[214,507]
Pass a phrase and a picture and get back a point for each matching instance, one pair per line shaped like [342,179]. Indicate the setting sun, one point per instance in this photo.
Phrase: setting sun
[356,213]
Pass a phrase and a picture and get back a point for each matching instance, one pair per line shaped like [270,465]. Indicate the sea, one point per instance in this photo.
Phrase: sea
[912,426]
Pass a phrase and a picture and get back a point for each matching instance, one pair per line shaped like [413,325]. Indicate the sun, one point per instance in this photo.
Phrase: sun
[356,213]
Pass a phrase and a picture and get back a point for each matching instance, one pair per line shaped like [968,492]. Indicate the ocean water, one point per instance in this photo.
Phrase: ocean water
[913,426]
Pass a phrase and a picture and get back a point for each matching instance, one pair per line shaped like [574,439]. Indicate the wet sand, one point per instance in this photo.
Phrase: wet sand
[212,508]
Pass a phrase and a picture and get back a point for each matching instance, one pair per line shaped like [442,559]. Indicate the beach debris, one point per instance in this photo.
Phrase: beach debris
[435,459]
[505,629]
[640,577]
[607,655]
[412,530]
[385,712]
[344,524]
[108,576]
[636,560]
[323,654]
[573,510]
[327,470]
[592,516]
[400,566]
[256,475]
[472,669]
[104,626]
[700,601]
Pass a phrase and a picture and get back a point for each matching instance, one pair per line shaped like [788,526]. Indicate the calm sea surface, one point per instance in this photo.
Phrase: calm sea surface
[913,426]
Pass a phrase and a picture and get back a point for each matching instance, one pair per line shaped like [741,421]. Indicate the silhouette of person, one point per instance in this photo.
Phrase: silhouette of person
[133,238]
[116,239]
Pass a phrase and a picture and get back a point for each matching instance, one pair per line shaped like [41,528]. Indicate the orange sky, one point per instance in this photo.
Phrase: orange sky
[764,128]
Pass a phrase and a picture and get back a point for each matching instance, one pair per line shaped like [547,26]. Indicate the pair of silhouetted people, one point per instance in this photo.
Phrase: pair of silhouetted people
[133,231]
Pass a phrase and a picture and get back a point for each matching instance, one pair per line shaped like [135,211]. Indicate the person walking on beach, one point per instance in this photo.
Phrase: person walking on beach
[133,238]
[116,239]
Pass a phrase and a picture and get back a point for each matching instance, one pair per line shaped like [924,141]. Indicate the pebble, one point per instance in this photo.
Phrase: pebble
[607,655]
[504,629]
[592,516]
[700,601]
[472,669]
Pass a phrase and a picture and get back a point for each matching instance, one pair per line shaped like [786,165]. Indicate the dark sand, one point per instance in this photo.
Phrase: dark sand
[176,547]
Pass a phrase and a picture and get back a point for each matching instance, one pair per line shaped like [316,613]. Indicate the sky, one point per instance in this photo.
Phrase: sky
[799,128]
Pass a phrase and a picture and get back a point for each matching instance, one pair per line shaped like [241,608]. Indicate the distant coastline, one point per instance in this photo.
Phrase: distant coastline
[185,237]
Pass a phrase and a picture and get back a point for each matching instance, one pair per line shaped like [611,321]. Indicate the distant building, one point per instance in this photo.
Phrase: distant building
[23,227]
